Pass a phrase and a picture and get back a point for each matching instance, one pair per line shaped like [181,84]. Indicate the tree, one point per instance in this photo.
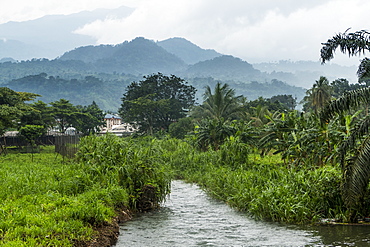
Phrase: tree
[286,101]
[318,95]
[12,107]
[41,114]
[156,102]
[90,120]
[355,168]
[180,128]
[222,104]
[212,133]
[354,44]
[31,133]
[65,114]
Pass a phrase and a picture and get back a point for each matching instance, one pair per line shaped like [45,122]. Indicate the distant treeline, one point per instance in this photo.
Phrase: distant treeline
[107,91]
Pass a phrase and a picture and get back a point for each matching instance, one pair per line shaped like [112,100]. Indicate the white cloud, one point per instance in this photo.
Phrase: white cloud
[23,10]
[254,30]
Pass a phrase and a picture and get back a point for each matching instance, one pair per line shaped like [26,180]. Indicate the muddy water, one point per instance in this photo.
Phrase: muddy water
[190,218]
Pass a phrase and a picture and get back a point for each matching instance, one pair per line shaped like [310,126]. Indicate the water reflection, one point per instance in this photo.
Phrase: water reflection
[341,235]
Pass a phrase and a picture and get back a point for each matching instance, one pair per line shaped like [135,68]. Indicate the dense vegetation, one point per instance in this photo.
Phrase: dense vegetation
[260,156]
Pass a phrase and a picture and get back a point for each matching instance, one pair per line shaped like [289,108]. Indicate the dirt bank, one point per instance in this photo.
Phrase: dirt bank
[107,233]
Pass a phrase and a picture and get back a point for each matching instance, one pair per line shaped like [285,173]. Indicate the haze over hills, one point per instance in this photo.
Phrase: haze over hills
[112,67]
[50,36]
[101,73]
[187,51]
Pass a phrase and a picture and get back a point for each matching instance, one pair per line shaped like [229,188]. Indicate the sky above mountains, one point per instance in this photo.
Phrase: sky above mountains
[254,30]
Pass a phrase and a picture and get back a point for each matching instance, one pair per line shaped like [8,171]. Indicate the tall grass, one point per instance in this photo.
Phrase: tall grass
[263,187]
[51,202]
[137,163]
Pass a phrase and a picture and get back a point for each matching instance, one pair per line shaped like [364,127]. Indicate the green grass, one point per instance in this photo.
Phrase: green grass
[52,201]
[262,186]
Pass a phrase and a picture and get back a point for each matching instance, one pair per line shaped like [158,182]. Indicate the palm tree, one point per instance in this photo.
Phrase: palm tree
[212,133]
[222,104]
[356,168]
[217,109]
[319,95]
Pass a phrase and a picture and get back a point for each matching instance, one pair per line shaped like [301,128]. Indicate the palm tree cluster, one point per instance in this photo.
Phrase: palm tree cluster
[354,150]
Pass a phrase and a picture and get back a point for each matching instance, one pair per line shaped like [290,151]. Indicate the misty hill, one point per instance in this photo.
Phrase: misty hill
[187,51]
[101,73]
[225,67]
[90,53]
[305,73]
[139,56]
[106,93]
[50,36]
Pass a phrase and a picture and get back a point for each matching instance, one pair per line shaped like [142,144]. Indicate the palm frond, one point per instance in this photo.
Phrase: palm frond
[356,175]
[349,100]
[363,71]
[355,43]
[356,133]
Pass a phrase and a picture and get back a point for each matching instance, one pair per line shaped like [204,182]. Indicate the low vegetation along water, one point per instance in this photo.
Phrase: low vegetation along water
[47,200]
[191,218]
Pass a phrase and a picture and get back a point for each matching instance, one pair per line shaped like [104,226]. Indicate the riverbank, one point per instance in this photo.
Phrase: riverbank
[108,232]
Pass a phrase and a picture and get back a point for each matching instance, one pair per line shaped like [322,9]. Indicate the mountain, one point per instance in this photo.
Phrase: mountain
[51,35]
[139,56]
[101,73]
[187,51]
[225,67]
[90,53]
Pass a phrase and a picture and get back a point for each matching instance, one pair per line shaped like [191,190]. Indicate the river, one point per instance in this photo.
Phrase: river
[191,218]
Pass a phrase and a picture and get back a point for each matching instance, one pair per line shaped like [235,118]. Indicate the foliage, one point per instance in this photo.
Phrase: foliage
[86,119]
[211,133]
[275,103]
[91,119]
[181,128]
[318,96]
[48,202]
[354,151]
[355,169]
[137,163]
[286,101]
[222,104]
[156,102]
[32,132]
[41,114]
[354,43]
[65,114]
[263,187]
[12,107]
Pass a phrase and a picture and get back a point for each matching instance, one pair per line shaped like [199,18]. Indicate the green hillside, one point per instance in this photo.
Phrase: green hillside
[102,73]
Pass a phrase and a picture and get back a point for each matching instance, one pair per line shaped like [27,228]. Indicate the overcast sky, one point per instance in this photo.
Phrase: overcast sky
[254,30]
